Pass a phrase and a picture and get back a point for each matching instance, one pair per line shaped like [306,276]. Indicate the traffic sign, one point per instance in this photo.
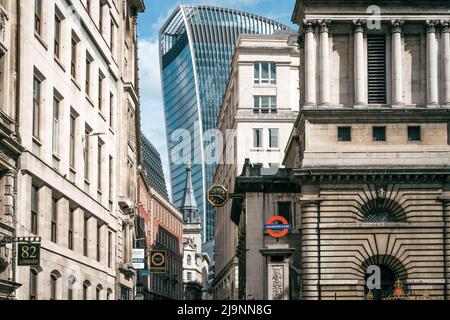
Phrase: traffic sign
[158,261]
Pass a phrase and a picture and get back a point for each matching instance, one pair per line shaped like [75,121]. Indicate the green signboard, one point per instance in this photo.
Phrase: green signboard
[29,254]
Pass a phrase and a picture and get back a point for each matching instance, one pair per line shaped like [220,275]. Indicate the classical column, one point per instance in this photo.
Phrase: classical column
[360,84]
[324,63]
[78,230]
[62,218]
[397,79]
[446,53]
[432,65]
[44,212]
[310,64]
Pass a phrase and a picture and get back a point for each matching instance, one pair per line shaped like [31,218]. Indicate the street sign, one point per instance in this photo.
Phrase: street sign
[29,254]
[139,259]
[277,230]
[158,261]
[217,196]
[144,272]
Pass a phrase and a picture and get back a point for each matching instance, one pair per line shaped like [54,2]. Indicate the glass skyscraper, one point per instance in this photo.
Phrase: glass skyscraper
[196,49]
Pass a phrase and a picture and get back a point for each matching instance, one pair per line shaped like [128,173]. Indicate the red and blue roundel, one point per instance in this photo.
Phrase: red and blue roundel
[277,230]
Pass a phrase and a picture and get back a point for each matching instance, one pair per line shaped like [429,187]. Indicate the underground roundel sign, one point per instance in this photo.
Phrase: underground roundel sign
[217,196]
[277,227]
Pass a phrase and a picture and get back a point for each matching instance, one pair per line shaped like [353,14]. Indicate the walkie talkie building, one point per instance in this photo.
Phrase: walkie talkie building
[196,48]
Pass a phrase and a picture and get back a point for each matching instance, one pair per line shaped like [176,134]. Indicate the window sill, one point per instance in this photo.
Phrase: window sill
[60,64]
[112,130]
[37,141]
[56,156]
[75,82]
[39,38]
[273,150]
[90,101]
[102,115]
[257,149]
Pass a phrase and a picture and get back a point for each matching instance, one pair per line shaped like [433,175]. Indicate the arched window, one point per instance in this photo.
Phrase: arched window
[70,285]
[33,284]
[383,210]
[109,293]
[189,260]
[53,287]
[387,284]
[86,286]
[98,291]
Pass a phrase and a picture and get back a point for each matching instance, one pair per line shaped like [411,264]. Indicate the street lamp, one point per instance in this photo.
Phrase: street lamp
[94,134]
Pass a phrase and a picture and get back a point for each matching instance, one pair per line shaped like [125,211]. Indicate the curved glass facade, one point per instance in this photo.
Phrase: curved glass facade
[196,47]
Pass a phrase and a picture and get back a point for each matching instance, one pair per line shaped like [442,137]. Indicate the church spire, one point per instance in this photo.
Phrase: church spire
[188,204]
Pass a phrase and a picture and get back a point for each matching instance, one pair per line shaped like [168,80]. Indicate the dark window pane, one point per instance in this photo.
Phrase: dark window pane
[379,134]
[414,134]
[284,210]
[344,134]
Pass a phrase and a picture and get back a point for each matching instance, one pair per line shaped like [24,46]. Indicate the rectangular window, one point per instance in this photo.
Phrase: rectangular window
[99,228]
[111,110]
[111,163]
[36,106]
[87,85]
[38,16]
[109,249]
[72,129]
[111,39]
[55,127]
[257,138]
[71,217]
[34,209]
[284,210]
[265,104]
[57,40]
[86,153]
[344,134]
[414,133]
[376,55]
[379,133]
[131,128]
[99,165]
[273,138]
[101,77]
[73,57]
[265,73]
[85,236]
[54,220]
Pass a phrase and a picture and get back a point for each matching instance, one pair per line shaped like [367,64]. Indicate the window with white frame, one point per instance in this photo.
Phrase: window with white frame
[265,104]
[265,73]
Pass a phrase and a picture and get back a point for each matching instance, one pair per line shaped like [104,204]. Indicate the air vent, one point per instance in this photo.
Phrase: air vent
[376,54]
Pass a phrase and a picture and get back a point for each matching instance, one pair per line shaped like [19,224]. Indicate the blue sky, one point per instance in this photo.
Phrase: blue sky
[157,11]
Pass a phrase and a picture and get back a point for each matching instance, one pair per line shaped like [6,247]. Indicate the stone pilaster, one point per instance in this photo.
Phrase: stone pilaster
[397,63]
[432,64]
[44,212]
[360,66]
[324,63]
[446,60]
[62,219]
[310,63]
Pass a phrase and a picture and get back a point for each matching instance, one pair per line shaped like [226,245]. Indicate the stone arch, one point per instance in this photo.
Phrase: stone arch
[391,269]
[383,210]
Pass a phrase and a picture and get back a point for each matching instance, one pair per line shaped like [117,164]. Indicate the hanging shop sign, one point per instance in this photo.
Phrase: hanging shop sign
[277,227]
[139,259]
[29,254]
[217,196]
[158,261]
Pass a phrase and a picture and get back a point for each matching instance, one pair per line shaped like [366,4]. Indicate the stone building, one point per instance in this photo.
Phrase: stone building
[10,147]
[161,226]
[78,113]
[195,262]
[257,116]
[368,178]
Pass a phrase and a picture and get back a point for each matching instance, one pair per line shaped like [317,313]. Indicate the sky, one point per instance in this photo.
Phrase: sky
[149,24]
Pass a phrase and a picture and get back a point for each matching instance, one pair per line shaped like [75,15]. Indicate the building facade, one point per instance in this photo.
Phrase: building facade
[195,262]
[153,167]
[10,148]
[79,111]
[256,119]
[161,229]
[368,159]
[196,48]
